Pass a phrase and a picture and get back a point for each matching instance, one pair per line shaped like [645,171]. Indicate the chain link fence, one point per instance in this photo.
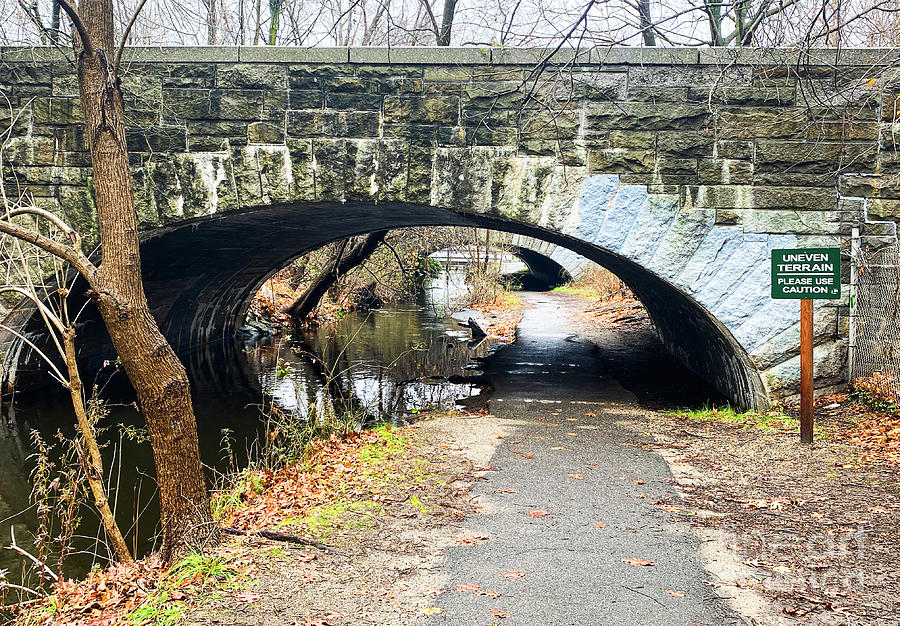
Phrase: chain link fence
[875,323]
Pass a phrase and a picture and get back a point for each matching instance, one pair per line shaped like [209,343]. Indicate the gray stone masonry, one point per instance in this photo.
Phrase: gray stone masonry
[680,169]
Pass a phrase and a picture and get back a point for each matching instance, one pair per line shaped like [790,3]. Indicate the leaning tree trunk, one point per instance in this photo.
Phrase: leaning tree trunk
[92,461]
[158,377]
[304,305]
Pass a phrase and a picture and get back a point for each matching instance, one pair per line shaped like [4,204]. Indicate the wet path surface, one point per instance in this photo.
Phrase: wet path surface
[570,454]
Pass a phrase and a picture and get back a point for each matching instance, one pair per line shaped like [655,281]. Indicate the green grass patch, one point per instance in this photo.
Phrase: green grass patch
[157,611]
[200,574]
[386,463]
[391,444]
[417,504]
[278,552]
[771,420]
[201,569]
[585,292]
[246,483]
[324,520]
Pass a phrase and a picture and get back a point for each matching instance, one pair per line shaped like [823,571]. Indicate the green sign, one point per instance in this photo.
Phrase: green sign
[806,274]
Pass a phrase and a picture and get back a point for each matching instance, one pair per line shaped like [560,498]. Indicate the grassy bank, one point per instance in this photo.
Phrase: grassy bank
[334,500]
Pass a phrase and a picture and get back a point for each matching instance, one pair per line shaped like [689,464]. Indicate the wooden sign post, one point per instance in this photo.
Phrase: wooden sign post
[806,274]
[806,371]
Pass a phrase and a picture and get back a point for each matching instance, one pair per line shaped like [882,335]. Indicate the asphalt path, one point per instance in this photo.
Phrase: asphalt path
[569,512]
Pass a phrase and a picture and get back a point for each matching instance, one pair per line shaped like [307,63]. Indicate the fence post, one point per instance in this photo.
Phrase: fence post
[854,273]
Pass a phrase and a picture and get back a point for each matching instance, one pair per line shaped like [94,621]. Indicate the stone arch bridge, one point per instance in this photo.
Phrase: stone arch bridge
[677,169]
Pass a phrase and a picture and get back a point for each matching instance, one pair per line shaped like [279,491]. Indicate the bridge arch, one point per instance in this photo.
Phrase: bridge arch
[678,169]
[537,255]
[201,275]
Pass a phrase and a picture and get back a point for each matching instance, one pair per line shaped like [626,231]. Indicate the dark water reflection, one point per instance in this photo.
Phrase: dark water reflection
[394,362]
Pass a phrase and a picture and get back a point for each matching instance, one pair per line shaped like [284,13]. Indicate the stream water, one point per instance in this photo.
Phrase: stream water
[394,362]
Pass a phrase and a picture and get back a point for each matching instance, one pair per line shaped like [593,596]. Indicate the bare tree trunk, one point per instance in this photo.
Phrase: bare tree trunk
[93,462]
[372,27]
[241,22]
[447,22]
[212,19]
[54,23]
[257,32]
[714,12]
[740,22]
[158,377]
[274,18]
[646,17]
[304,305]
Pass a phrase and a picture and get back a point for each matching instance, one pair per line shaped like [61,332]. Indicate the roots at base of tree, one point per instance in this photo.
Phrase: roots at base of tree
[287,538]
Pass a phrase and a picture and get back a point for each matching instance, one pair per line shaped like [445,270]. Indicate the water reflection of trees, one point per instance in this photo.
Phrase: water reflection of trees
[390,363]
[14,493]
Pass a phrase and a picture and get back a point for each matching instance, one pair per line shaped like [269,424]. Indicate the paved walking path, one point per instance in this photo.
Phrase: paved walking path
[569,457]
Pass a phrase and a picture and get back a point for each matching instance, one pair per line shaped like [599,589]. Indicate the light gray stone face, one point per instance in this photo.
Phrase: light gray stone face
[710,257]
[830,358]
[680,242]
[593,202]
[747,272]
[650,226]
[678,169]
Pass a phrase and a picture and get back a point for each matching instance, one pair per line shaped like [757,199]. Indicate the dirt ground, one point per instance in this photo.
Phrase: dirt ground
[382,570]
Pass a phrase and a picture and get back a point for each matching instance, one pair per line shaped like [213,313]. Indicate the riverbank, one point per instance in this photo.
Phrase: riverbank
[502,316]
[385,509]
[361,515]
[149,591]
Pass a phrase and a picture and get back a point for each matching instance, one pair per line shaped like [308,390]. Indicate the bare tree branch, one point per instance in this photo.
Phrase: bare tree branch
[74,257]
[125,34]
[72,12]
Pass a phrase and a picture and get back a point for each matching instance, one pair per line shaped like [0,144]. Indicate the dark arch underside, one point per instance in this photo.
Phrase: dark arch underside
[200,275]
[543,268]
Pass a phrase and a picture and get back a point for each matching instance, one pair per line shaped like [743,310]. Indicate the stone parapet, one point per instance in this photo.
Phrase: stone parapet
[483,55]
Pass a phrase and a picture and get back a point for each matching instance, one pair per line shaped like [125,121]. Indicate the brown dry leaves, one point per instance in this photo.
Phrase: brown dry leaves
[508,310]
[878,434]
[472,540]
[292,492]
[615,310]
[106,596]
